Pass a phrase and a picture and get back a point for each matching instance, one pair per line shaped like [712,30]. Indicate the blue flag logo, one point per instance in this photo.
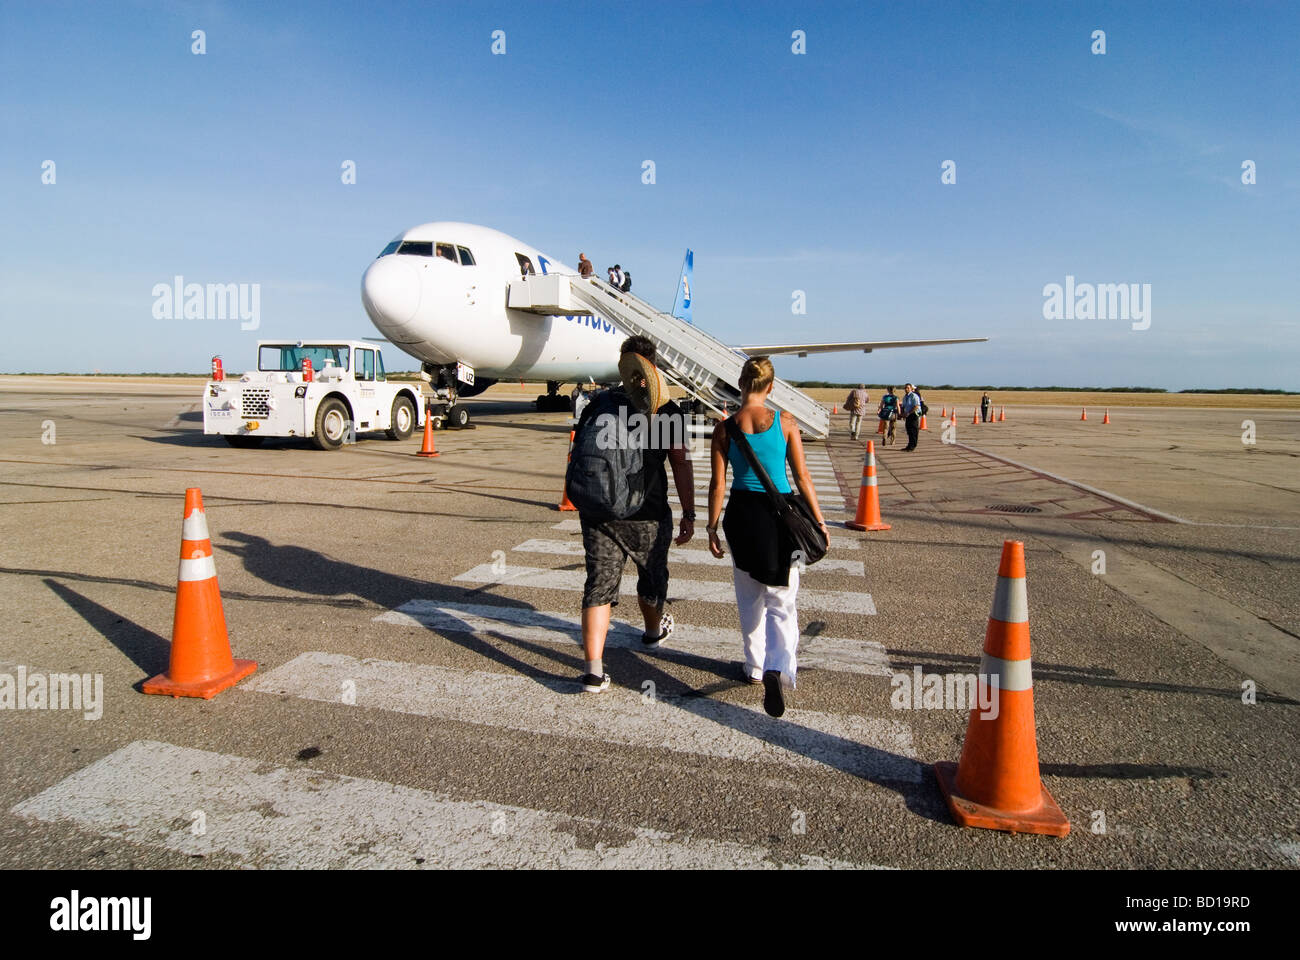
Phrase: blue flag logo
[682,301]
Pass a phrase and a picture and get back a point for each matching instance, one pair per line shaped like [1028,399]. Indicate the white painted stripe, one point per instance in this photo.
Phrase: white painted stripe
[573,548]
[1077,485]
[865,747]
[572,525]
[296,818]
[869,482]
[1010,602]
[713,591]
[198,568]
[1010,675]
[687,641]
[195,526]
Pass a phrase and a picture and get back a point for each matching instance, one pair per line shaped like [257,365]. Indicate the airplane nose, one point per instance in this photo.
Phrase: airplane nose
[390,291]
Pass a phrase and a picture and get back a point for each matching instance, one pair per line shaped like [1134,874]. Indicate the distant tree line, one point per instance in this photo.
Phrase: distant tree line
[1005,389]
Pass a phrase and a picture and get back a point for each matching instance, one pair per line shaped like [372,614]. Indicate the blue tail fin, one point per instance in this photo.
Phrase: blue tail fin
[682,301]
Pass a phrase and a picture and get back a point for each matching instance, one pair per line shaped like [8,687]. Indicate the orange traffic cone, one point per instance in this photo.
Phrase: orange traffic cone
[975,417]
[427,449]
[565,503]
[997,785]
[923,426]
[943,414]
[880,428]
[835,408]
[1002,415]
[201,664]
[1084,416]
[1106,418]
[868,516]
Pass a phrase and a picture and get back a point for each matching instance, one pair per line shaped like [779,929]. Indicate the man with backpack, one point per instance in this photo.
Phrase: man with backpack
[616,479]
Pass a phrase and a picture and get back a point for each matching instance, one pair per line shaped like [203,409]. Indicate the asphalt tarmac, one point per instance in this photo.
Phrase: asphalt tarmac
[414,622]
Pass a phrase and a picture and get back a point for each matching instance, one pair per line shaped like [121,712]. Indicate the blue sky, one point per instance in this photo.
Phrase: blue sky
[817,172]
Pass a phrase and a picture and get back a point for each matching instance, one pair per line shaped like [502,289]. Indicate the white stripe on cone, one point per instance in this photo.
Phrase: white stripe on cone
[197,568]
[1010,602]
[195,526]
[1010,675]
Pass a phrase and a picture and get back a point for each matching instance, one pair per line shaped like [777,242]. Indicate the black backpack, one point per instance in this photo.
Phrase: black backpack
[606,476]
[627,282]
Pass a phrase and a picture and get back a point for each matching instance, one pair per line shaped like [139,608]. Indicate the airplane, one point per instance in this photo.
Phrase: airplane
[438,292]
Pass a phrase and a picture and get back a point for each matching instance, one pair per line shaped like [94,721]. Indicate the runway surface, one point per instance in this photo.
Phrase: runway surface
[415,622]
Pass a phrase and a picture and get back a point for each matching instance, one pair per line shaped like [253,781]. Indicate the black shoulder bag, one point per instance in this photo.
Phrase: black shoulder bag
[791,510]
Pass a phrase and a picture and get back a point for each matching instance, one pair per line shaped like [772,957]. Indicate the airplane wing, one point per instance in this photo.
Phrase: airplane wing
[866,346]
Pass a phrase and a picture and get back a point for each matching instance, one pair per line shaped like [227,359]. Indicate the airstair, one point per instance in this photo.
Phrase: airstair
[700,364]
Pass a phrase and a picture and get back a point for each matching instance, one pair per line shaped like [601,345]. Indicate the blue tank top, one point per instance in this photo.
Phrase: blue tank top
[769,447]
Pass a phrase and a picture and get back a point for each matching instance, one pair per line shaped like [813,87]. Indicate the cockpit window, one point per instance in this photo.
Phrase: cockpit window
[416,248]
[466,258]
[447,251]
[525,265]
[391,248]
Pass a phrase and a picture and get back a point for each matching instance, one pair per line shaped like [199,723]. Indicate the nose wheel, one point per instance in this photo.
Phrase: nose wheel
[446,409]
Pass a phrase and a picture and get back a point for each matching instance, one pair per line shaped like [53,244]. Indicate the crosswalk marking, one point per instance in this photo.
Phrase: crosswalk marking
[688,641]
[860,746]
[573,525]
[573,548]
[272,817]
[703,591]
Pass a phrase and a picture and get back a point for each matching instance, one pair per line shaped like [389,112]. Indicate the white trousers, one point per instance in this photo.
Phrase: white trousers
[769,624]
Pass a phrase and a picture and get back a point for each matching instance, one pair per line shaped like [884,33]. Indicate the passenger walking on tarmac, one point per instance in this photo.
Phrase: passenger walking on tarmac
[856,406]
[888,414]
[585,269]
[580,400]
[986,405]
[761,550]
[645,535]
[911,413]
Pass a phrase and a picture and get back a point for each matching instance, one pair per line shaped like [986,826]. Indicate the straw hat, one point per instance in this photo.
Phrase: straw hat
[644,384]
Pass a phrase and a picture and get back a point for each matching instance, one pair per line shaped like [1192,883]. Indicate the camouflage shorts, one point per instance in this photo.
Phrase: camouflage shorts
[608,545]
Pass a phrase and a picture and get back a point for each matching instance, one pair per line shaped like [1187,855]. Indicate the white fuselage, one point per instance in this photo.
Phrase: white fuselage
[445,309]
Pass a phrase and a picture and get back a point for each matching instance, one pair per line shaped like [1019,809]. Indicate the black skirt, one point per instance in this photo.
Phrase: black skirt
[760,545]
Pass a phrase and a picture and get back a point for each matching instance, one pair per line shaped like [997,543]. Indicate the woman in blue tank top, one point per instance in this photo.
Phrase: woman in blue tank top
[766,582]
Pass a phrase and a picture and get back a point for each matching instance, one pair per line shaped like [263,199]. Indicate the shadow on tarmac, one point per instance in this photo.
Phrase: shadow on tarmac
[148,651]
[301,569]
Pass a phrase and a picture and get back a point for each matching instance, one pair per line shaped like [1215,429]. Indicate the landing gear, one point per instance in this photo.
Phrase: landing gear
[449,415]
[552,401]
